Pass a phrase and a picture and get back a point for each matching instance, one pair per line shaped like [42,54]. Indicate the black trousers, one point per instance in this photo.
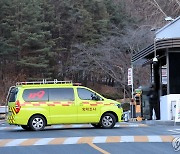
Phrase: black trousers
[156,107]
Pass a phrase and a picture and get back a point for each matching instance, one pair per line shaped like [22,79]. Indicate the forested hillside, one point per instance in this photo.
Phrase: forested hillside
[87,41]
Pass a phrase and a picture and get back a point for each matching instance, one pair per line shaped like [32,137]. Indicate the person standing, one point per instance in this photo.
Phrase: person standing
[153,102]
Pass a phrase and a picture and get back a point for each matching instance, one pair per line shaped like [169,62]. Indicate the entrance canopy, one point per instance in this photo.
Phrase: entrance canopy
[168,37]
[161,47]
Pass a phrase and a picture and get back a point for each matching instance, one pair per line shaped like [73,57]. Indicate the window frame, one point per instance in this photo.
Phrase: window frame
[47,90]
[95,93]
[13,91]
[73,94]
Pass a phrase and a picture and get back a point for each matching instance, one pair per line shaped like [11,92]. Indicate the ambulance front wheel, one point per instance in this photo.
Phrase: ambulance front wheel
[37,122]
[108,120]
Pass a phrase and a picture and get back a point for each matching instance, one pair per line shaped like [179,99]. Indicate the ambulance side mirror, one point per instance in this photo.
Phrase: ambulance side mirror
[96,97]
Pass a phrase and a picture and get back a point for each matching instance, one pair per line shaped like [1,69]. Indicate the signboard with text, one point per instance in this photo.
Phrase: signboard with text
[129,76]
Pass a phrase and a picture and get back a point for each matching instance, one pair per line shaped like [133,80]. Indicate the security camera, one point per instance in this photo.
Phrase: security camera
[155,59]
[153,29]
[169,19]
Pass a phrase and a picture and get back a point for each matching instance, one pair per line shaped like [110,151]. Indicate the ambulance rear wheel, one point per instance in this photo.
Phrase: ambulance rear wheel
[37,122]
[25,127]
[108,120]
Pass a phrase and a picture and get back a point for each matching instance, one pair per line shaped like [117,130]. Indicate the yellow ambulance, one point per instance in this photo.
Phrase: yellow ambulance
[34,105]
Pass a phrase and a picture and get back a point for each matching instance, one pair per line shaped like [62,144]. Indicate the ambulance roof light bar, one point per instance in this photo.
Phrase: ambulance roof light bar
[44,82]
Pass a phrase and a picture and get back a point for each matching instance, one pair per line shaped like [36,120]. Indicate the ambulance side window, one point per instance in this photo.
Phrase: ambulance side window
[35,95]
[85,94]
[61,94]
[12,95]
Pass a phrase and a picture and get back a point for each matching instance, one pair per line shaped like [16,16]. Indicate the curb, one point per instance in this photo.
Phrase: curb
[156,123]
[160,122]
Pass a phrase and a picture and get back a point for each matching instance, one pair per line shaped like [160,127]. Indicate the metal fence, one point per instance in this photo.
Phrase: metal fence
[3,109]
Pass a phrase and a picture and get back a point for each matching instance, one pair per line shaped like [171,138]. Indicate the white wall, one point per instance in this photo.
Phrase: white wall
[167,104]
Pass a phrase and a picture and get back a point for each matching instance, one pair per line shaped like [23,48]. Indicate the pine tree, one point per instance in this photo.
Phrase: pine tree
[32,37]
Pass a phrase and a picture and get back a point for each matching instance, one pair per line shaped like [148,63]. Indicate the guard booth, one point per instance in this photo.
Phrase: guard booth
[138,102]
[163,57]
[142,102]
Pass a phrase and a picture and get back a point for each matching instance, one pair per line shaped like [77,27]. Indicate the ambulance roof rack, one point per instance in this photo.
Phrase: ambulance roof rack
[44,82]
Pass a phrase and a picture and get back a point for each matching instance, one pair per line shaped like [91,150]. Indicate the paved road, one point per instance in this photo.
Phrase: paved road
[124,138]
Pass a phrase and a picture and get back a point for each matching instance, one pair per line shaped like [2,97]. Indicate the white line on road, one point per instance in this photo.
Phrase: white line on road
[175,131]
[127,139]
[154,139]
[100,139]
[15,142]
[71,140]
[43,141]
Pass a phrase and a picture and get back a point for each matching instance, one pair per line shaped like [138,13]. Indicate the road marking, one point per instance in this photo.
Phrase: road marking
[113,139]
[82,140]
[166,138]
[4,142]
[29,142]
[98,148]
[57,141]
[85,140]
[154,138]
[140,139]
[175,131]
[127,139]
[71,140]
[99,139]
[15,142]
[43,141]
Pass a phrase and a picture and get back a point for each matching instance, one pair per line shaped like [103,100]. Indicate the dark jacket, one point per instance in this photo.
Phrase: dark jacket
[153,96]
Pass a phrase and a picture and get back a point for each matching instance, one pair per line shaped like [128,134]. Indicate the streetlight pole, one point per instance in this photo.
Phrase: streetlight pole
[124,88]
[132,92]
[132,87]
